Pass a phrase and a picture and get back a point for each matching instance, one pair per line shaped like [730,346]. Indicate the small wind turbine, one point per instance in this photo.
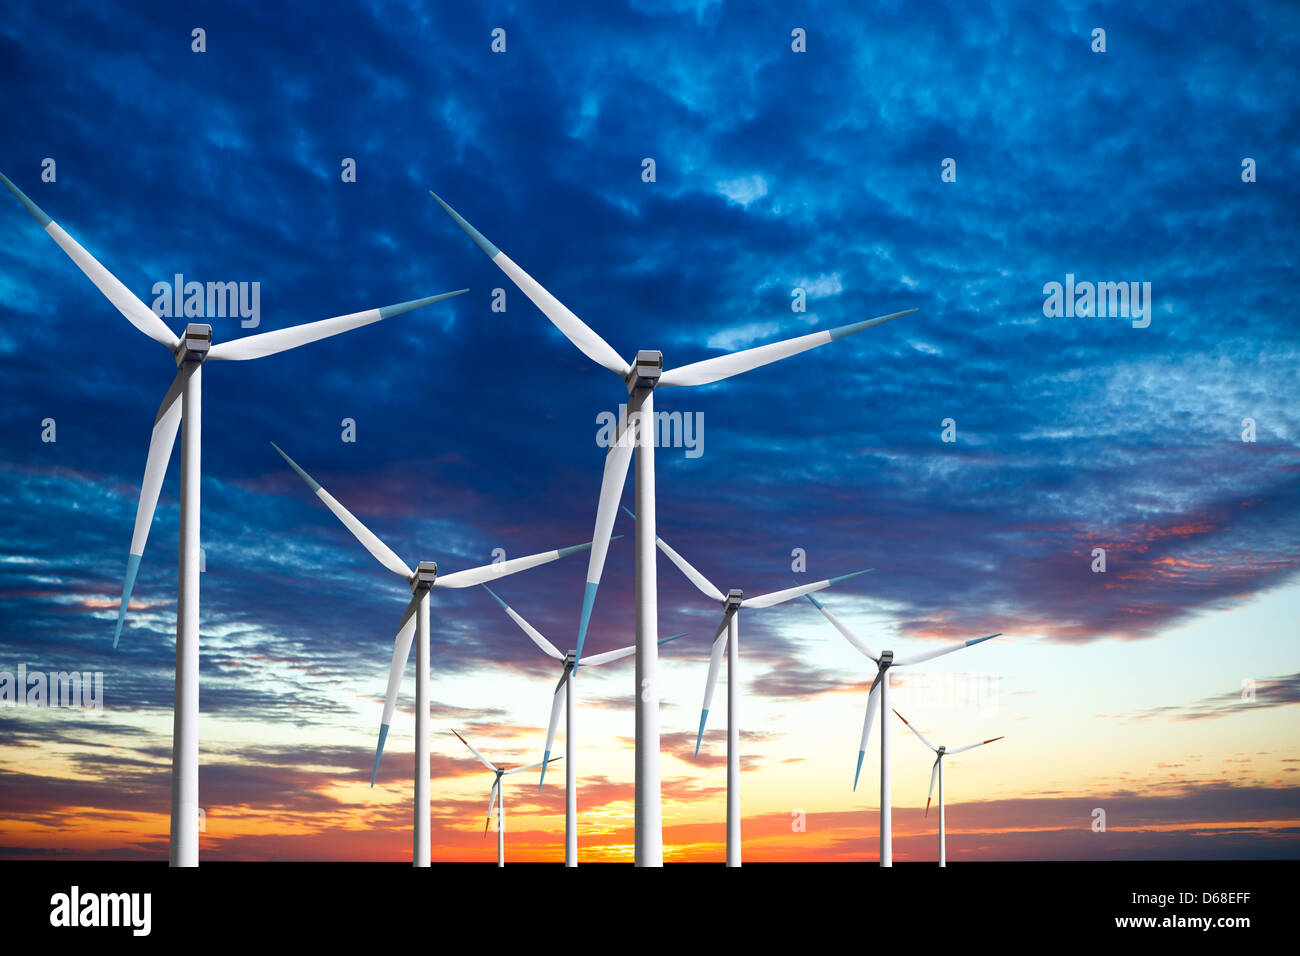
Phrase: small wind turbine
[183,403]
[937,771]
[879,697]
[727,637]
[641,377]
[498,799]
[415,622]
[564,693]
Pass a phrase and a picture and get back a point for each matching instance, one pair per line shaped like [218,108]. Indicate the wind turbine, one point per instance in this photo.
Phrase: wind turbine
[415,623]
[568,665]
[937,770]
[727,637]
[498,799]
[641,377]
[183,403]
[879,697]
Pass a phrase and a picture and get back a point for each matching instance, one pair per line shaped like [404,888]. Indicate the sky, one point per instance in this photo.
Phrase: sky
[956,159]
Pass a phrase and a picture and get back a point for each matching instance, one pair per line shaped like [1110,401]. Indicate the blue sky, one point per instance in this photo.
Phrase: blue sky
[775,170]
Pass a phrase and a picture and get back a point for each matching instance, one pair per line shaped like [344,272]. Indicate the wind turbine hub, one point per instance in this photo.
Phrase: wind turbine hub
[646,369]
[570,659]
[194,345]
[426,572]
[941,749]
[734,597]
[886,658]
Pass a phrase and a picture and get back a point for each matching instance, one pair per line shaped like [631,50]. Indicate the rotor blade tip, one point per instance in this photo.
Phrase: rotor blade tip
[704,716]
[846,330]
[379,752]
[312,483]
[31,207]
[858,772]
[478,237]
[389,311]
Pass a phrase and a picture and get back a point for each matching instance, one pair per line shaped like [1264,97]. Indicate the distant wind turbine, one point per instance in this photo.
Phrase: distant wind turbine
[498,799]
[879,697]
[642,376]
[727,637]
[415,622]
[564,693]
[937,771]
[183,403]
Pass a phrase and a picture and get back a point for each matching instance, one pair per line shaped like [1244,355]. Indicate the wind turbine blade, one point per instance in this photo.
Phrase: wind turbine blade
[531,766]
[617,460]
[369,540]
[610,656]
[268,343]
[136,312]
[707,587]
[557,701]
[490,572]
[789,594]
[920,735]
[401,653]
[934,773]
[547,648]
[973,746]
[873,702]
[725,366]
[161,443]
[715,661]
[840,626]
[481,759]
[572,327]
[492,803]
[940,651]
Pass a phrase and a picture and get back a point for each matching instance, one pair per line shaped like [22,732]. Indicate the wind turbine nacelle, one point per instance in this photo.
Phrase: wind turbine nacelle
[195,342]
[646,369]
[426,572]
[886,658]
[734,597]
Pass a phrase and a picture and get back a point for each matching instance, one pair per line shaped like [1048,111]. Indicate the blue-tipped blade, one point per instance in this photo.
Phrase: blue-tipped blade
[844,330]
[575,548]
[665,640]
[390,310]
[588,601]
[494,594]
[845,577]
[32,208]
[312,483]
[704,715]
[861,754]
[132,569]
[491,250]
[379,751]
[546,759]
[979,640]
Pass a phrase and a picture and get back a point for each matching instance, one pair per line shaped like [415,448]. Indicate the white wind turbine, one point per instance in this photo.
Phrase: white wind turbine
[879,697]
[937,771]
[415,623]
[727,637]
[641,377]
[183,403]
[497,799]
[564,693]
